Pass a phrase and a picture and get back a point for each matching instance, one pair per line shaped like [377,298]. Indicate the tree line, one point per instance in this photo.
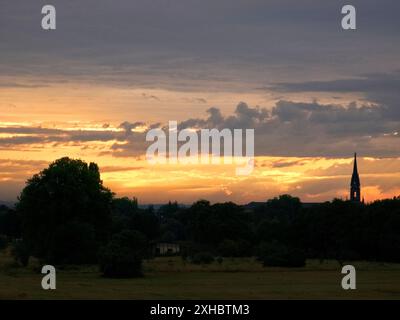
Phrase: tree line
[65,215]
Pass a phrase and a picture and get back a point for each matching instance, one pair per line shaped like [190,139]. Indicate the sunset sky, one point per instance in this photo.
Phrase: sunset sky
[313,93]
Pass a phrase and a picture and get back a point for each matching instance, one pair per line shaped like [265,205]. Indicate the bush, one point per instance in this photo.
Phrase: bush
[3,242]
[231,248]
[21,252]
[203,258]
[275,254]
[122,257]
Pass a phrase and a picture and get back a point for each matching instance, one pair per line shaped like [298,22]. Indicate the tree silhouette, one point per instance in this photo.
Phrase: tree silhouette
[65,212]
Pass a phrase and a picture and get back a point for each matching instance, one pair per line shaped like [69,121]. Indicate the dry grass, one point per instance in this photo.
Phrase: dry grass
[172,278]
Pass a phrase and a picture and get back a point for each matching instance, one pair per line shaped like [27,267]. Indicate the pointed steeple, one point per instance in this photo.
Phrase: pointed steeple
[355,190]
[355,179]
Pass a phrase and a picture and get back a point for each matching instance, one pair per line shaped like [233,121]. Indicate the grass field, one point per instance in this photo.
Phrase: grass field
[171,278]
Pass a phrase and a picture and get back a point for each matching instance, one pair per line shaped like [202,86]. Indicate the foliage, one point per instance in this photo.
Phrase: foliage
[126,215]
[3,242]
[341,230]
[203,258]
[21,252]
[65,208]
[344,230]
[234,248]
[275,254]
[211,224]
[76,244]
[122,257]
[10,223]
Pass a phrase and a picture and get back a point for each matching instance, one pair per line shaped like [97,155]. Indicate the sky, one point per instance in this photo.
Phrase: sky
[112,70]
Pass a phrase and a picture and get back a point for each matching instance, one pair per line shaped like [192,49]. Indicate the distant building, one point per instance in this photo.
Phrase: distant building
[166,249]
[355,186]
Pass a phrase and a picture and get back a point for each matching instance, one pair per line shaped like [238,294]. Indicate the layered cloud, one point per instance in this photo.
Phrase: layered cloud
[288,129]
[313,93]
[380,88]
[197,45]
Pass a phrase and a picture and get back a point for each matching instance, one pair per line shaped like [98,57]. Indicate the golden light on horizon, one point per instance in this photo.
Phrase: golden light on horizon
[44,119]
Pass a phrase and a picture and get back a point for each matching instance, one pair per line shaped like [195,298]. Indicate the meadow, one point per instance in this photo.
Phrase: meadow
[233,278]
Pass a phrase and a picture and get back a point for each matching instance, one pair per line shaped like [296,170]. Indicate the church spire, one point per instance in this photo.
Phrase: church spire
[355,190]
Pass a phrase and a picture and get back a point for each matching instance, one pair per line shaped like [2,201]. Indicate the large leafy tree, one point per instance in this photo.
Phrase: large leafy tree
[66,212]
[10,225]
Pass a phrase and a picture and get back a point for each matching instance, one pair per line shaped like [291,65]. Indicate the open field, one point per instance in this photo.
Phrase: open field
[171,278]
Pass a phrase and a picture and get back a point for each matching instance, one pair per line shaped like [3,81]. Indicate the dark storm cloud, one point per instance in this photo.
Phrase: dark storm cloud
[311,129]
[243,117]
[299,129]
[181,44]
[290,129]
[286,46]
[380,88]
[379,82]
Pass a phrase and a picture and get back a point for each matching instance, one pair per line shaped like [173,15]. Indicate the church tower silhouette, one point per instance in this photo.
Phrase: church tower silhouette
[355,190]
